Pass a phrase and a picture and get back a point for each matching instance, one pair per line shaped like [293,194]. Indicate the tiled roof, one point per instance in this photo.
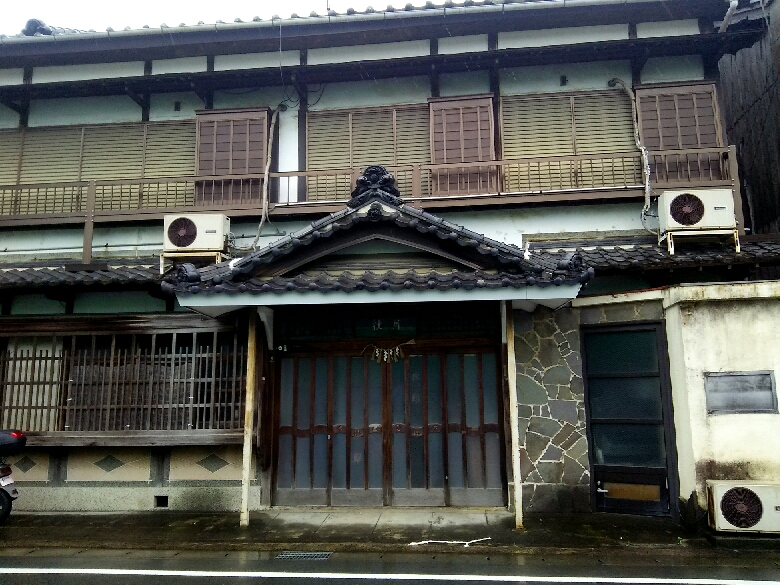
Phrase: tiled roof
[369,13]
[49,276]
[688,254]
[375,205]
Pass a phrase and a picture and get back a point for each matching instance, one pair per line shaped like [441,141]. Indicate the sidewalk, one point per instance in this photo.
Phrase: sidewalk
[367,530]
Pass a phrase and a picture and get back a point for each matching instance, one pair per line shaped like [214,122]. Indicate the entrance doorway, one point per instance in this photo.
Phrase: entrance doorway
[421,426]
[629,409]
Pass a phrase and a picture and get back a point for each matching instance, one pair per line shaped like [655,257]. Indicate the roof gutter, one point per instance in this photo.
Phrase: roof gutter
[501,7]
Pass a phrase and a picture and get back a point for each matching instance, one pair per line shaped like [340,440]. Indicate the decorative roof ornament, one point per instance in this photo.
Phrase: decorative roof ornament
[375,183]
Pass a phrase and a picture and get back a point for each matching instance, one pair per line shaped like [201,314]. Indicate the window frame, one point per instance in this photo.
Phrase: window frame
[712,411]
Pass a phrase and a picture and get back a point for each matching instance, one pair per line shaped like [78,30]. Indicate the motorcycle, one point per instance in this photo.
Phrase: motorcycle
[11,443]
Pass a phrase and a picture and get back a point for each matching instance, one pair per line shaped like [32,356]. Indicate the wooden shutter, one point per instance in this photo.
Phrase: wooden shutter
[462,131]
[680,117]
[354,139]
[231,142]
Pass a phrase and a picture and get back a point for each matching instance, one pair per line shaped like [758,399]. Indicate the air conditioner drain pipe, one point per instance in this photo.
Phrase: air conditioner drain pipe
[645,155]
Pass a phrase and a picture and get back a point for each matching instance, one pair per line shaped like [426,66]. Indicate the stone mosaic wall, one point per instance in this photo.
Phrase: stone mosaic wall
[554,447]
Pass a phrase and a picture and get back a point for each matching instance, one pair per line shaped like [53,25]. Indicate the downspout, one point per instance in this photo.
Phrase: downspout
[730,14]
[645,155]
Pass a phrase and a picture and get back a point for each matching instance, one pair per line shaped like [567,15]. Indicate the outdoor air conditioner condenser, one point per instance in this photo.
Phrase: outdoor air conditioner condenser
[744,506]
[195,232]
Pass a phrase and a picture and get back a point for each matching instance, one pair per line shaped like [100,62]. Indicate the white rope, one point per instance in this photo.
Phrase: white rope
[465,543]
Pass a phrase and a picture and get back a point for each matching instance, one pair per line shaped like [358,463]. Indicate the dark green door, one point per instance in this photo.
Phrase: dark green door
[629,419]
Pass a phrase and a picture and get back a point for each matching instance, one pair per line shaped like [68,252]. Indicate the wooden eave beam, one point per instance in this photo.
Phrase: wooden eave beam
[11,105]
[703,44]
[338,32]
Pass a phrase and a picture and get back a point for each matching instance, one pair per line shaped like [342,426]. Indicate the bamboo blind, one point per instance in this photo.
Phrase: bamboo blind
[569,125]
[109,151]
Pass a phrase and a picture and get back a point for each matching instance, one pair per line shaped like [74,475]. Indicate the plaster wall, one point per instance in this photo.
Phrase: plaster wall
[86,110]
[36,305]
[369,52]
[162,106]
[8,118]
[111,303]
[562,36]
[667,28]
[722,336]
[466,44]
[180,65]
[678,68]
[547,78]
[89,71]
[469,83]
[257,60]
[378,92]
[12,76]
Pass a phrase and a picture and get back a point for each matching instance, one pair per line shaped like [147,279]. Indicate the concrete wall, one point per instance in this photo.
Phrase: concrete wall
[114,479]
[723,334]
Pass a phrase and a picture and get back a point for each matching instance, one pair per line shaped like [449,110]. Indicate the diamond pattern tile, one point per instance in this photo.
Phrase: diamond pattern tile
[212,463]
[109,463]
[25,464]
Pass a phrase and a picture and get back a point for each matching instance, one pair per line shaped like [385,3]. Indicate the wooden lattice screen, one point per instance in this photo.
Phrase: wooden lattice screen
[173,381]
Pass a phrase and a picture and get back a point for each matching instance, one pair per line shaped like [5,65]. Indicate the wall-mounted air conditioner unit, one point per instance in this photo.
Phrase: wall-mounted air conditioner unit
[696,212]
[195,232]
[744,506]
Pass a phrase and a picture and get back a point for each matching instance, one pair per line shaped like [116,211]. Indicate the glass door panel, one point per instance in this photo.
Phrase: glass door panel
[627,419]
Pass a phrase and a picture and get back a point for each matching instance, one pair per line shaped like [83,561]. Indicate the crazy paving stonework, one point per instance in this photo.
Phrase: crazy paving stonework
[554,448]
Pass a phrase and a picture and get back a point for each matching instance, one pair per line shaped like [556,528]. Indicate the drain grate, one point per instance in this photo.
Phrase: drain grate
[294,555]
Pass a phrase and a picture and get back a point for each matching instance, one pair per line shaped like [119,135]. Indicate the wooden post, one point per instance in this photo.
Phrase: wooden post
[89,224]
[249,415]
[734,175]
[508,323]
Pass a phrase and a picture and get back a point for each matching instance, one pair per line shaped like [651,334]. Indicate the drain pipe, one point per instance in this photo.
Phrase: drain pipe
[729,15]
[645,155]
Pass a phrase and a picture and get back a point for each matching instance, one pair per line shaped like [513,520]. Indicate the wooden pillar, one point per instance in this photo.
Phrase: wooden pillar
[249,415]
[508,324]
[89,224]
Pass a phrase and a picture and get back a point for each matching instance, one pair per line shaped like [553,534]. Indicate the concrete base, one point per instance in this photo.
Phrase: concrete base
[133,499]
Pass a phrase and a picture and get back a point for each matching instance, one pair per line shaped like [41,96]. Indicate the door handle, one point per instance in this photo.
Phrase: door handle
[601,491]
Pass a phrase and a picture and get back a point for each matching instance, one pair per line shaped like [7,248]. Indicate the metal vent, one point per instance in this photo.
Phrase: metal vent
[182,232]
[686,209]
[293,555]
[741,507]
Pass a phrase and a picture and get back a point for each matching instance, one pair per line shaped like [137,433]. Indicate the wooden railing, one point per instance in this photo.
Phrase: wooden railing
[154,383]
[529,176]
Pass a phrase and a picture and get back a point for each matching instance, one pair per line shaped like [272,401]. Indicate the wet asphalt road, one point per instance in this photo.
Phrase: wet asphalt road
[99,567]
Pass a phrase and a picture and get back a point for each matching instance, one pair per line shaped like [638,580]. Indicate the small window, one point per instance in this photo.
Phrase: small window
[740,392]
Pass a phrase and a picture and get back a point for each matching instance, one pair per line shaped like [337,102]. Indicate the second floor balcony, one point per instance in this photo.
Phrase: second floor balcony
[468,151]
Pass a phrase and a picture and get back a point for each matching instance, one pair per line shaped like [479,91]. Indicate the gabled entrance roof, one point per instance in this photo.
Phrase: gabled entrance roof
[280,273]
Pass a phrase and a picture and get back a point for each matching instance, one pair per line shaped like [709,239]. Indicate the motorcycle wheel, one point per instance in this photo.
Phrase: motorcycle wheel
[5,506]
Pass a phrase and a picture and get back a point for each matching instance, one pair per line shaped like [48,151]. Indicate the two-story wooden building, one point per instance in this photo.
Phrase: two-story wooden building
[427,334]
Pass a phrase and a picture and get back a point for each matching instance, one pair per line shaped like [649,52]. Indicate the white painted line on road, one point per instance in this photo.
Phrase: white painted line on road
[377,576]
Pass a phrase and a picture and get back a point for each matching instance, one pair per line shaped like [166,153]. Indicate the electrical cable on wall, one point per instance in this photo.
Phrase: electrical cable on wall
[645,155]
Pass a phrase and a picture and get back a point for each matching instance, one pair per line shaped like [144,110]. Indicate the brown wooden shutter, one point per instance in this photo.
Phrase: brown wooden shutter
[113,151]
[462,130]
[231,142]
[680,117]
